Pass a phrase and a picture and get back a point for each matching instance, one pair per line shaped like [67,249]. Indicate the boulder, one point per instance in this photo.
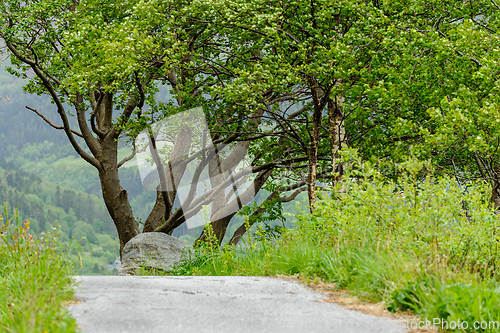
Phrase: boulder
[151,250]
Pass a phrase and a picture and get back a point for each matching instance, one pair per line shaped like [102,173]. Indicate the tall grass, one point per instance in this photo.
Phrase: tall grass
[34,280]
[419,243]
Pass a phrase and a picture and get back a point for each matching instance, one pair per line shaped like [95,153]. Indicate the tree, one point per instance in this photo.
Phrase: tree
[284,83]
[463,132]
[36,34]
[57,197]
[438,97]
[307,55]
[74,63]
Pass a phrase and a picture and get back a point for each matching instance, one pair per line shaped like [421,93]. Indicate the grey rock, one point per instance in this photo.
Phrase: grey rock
[151,250]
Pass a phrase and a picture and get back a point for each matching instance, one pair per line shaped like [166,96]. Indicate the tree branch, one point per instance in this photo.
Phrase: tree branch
[90,140]
[128,158]
[51,124]
[60,108]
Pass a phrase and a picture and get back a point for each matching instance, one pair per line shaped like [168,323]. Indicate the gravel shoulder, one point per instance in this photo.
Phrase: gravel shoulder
[233,304]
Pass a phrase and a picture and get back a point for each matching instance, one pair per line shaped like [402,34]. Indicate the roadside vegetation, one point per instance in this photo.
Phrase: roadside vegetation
[34,280]
[413,239]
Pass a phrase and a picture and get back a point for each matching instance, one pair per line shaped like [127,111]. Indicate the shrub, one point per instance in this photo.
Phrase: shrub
[432,219]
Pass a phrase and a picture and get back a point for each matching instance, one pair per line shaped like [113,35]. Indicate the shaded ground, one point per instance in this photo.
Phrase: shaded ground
[233,304]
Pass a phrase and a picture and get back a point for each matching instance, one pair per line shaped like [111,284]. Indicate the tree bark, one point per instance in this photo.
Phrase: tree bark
[337,133]
[157,213]
[314,142]
[115,197]
[495,188]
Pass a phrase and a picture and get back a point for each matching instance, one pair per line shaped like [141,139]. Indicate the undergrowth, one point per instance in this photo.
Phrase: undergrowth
[418,242]
[34,280]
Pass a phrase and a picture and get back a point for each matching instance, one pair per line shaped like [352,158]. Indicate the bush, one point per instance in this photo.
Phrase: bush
[431,219]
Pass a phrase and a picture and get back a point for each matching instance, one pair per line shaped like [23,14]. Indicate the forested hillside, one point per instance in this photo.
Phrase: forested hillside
[77,215]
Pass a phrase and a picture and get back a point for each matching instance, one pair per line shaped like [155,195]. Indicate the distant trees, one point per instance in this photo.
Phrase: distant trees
[57,197]
[35,201]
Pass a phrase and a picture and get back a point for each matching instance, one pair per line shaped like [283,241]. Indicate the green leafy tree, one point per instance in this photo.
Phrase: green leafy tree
[438,94]
[289,83]
[84,75]
[112,63]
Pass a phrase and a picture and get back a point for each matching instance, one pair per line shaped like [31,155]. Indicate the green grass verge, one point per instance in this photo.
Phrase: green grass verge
[418,243]
[34,281]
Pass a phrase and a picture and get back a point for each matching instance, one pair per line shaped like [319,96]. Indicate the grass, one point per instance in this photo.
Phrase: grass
[419,243]
[34,281]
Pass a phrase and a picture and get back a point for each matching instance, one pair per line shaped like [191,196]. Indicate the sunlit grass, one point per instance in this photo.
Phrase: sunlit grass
[34,281]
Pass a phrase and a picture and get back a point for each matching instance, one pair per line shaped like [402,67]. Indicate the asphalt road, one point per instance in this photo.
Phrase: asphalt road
[233,304]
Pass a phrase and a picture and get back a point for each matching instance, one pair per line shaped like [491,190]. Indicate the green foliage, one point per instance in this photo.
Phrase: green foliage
[431,218]
[34,280]
[37,201]
[419,242]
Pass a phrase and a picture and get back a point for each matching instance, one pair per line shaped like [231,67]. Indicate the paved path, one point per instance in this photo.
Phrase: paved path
[150,304]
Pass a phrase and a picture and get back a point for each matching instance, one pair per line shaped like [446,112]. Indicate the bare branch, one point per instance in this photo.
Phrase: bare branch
[60,108]
[294,195]
[128,158]
[51,124]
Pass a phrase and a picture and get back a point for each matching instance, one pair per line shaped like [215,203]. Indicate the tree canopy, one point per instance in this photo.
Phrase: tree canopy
[286,84]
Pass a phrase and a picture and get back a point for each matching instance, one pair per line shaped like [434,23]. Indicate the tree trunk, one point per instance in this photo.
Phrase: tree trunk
[174,170]
[219,228]
[157,213]
[336,133]
[222,219]
[313,149]
[115,197]
[313,171]
[495,188]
